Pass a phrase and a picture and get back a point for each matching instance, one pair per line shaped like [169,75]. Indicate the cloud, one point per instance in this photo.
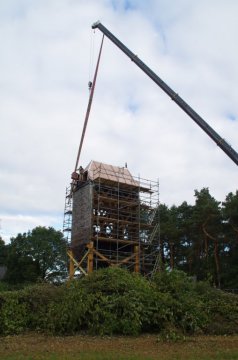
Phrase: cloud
[47,58]
[11,225]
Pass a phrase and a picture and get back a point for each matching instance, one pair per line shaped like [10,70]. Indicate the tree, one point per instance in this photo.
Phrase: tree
[184,224]
[230,229]
[200,239]
[3,251]
[175,235]
[38,254]
[207,225]
[230,211]
[164,233]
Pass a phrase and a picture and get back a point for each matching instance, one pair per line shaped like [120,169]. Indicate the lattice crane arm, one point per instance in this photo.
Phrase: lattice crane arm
[173,95]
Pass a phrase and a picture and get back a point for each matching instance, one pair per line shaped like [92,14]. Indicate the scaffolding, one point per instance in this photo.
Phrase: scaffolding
[67,223]
[112,218]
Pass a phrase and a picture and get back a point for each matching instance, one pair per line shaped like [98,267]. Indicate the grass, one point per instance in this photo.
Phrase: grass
[146,347]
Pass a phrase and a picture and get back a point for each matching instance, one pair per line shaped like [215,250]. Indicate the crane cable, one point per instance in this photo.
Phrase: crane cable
[91,55]
[91,88]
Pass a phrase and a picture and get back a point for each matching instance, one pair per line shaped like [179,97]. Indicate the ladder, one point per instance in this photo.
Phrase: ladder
[67,222]
[156,226]
[153,234]
[156,265]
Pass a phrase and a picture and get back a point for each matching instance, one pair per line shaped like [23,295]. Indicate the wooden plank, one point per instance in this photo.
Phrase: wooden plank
[121,241]
[101,256]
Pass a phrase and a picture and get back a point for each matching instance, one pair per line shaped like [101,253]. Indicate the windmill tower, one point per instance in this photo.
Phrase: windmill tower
[112,219]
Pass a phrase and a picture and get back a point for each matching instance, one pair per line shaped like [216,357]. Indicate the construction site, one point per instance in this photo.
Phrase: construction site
[111,218]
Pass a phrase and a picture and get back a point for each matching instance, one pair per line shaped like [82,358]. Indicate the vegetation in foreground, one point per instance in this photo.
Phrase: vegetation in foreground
[115,301]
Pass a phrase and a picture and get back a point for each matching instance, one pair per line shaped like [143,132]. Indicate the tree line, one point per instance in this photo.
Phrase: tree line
[202,239]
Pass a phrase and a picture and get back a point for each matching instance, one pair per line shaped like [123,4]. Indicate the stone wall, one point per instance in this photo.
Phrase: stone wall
[82,215]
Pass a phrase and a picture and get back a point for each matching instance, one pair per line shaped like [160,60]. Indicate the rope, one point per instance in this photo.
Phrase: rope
[92,86]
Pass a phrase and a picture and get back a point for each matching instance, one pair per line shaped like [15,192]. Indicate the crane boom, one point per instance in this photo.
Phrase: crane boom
[173,95]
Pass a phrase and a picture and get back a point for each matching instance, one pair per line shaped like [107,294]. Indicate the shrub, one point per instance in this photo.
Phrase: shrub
[115,301]
[187,306]
[13,314]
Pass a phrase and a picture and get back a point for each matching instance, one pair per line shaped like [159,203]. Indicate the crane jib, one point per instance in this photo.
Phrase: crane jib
[173,95]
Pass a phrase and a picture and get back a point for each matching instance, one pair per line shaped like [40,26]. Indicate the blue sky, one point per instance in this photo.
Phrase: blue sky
[46,50]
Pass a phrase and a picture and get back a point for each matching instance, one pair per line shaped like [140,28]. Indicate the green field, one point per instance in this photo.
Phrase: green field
[35,346]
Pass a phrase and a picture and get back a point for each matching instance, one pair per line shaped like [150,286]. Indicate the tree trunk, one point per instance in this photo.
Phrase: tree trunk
[216,253]
[206,246]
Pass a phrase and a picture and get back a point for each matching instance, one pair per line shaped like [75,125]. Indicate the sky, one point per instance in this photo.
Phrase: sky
[48,55]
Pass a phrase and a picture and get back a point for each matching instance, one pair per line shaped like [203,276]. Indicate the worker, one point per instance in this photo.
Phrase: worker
[81,172]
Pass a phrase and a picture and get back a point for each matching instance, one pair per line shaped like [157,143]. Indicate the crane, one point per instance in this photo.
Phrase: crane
[172,94]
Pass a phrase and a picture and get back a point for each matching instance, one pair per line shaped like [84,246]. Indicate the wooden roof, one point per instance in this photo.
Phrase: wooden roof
[111,173]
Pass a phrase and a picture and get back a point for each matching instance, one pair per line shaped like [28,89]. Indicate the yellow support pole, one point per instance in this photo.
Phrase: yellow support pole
[90,257]
[137,259]
[71,264]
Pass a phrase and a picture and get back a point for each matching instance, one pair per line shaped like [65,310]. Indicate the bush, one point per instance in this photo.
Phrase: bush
[13,314]
[186,305]
[26,308]
[198,306]
[115,301]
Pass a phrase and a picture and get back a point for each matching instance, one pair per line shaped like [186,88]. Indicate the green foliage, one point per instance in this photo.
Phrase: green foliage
[36,255]
[67,314]
[222,312]
[114,301]
[230,257]
[3,252]
[197,306]
[4,286]
[202,239]
[13,314]
[186,306]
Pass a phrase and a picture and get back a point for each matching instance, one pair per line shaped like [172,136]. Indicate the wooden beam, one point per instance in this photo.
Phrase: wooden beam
[90,257]
[137,259]
[73,265]
[124,261]
[104,258]
[121,241]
